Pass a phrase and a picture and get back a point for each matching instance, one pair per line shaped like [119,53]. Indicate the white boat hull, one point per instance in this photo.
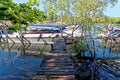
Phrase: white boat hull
[28,38]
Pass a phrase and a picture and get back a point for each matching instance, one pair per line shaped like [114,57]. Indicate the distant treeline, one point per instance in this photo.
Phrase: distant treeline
[115,20]
[107,19]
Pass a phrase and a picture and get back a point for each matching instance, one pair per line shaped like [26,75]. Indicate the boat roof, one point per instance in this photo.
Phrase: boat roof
[43,27]
[50,26]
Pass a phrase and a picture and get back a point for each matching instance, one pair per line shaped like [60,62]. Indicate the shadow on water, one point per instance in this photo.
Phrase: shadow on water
[19,62]
[100,61]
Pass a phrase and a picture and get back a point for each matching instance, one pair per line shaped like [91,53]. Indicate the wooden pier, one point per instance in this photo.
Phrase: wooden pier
[56,64]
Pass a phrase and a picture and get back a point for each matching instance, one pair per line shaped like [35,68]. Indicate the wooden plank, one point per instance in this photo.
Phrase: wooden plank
[56,70]
[54,77]
[57,60]
[47,65]
[57,65]
[53,61]
[64,67]
[41,77]
[56,73]
[62,76]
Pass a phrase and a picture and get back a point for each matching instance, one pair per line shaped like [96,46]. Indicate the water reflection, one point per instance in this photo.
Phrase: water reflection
[100,62]
[20,62]
[103,49]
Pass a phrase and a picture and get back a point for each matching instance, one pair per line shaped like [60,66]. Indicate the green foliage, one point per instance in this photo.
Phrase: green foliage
[71,11]
[15,27]
[0,28]
[114,19]
[51,13]
[78,46]
[4,6]
[88,12]
[22,14]
[33,2]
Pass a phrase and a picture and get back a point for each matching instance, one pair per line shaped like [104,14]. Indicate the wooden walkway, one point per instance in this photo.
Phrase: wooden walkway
[56,65]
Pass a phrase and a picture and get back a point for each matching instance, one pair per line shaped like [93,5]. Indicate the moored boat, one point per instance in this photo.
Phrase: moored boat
[35,34]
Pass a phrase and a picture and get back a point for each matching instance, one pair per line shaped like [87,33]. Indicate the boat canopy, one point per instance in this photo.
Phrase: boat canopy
[48,28]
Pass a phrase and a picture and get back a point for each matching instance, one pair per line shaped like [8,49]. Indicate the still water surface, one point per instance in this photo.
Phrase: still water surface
[18,62]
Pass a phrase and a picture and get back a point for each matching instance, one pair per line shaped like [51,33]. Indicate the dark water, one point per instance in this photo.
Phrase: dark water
[102,49]
[20,63]
[101,61]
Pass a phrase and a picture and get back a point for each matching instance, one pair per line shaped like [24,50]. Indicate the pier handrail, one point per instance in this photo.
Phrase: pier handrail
[10,39]
[26,39]
[40,37]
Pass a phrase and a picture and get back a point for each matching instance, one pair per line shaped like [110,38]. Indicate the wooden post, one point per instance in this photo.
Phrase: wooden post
[52,48]
[22,40]
[0,37]
[7,38]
